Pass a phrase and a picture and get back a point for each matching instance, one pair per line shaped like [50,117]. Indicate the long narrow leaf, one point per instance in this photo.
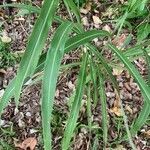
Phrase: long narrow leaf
[70,4]
[93,73]
[35,45]
[83,38]
[71,122]
[77,41]
[51,70]
[30,8]
[105,65]
[9,92]
[144,89]
[104,108]
[147,57]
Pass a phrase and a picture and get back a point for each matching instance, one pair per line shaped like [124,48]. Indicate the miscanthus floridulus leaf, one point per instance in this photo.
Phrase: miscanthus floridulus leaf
[9,92]
[83,38]
[35,44]
[103,107]
[76,41]
[145,89]
[72,120]
[30,8]
[51,71]
[71,6]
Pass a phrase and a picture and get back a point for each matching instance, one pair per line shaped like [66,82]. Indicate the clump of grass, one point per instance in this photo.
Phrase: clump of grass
[67,37]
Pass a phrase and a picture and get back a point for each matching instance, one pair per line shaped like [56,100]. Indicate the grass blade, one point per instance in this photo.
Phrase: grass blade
[89,109]
[93,73]
[51,71]
[144,89]
[143,115]
[104,108]
[71,122]
[30,8]
[9,92]
[147,57]
[77,41]
[105,64]
[70,4]
[35,45]
[83,38]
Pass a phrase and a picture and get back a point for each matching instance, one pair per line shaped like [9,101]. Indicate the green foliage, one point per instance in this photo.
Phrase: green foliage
[6,57]
[94,67]
[143,31]
[80,2]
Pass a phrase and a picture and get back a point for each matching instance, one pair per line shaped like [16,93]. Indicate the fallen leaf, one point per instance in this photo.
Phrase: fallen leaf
[5,39]
[117,108]
[107,28]
[96,20]
[116,111]
[28,143]
[127,107]
[117,71]
[84,11]
[85,21]
[147,134]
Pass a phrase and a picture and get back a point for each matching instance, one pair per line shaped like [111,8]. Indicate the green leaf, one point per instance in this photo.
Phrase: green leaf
[143,115]
[71,5]
[83,38]
[9,92]
[76,41]
[104,108]
[144,89]
[93,74]
[143,31]
[105,65]
[51,71]
[30,8]
[89,108]
[35,44]
[71,122]
[147,57]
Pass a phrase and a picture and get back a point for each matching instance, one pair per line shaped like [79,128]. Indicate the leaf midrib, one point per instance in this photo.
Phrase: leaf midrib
[34,50]
[82,39]
[55,54]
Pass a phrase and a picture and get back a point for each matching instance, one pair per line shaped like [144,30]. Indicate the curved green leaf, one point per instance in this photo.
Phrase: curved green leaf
[51,71]
[30,8]
[35,44]
[83,38]
[9,92]
[71,122]
[71,5]
[75,42]
[144,89]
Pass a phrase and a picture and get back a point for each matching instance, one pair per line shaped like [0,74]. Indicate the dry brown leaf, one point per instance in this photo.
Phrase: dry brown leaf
[2,71]
[117,108]
[88,6]
[107,28]
[147,134]
[96,20]
[85,21]
[116,111]
[27,143]
[127,107]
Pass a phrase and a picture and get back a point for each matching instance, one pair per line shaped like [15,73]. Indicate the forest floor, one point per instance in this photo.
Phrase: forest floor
[19,125]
